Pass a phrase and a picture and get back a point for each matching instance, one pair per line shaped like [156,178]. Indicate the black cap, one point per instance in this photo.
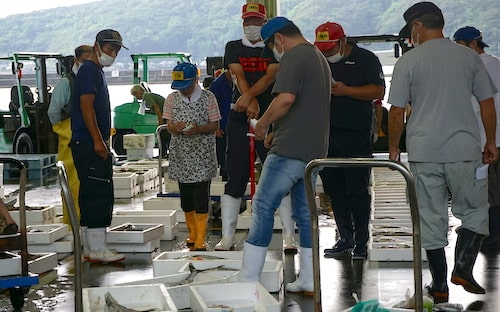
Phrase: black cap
[111,36]
[418,10]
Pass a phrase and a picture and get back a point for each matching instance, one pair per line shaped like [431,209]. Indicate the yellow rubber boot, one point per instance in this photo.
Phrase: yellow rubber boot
[191,225]
[201,229]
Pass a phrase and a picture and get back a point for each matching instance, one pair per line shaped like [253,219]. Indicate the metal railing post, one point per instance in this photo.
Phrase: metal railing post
[316,165]
[160,157]
[75,225]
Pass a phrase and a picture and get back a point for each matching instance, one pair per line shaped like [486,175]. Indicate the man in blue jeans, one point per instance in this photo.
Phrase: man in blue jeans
[300,115]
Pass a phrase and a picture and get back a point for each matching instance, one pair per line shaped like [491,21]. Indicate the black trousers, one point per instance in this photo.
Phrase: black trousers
[96,196]
[195,196]
[238,157]
[348,188]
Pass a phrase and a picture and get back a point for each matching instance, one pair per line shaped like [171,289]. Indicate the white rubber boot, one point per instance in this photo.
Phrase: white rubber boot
[96,238]
[253,261]
[288,232]
[230,206]
[305,283]
[85,243]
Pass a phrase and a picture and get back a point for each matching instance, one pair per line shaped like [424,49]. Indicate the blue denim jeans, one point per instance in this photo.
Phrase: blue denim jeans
[280,176]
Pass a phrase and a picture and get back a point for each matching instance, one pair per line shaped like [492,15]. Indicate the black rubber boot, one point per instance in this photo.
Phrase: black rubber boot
[466,250]
[438,289]
[361,219]
[491,244]
[343,219]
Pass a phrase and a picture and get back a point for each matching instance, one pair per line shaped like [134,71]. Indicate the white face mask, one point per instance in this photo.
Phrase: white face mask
[335,58]
[252,33]
[104,59]
[75,68]
[278,55]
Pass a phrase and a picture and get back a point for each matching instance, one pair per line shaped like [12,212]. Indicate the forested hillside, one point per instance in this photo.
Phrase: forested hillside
[203,27]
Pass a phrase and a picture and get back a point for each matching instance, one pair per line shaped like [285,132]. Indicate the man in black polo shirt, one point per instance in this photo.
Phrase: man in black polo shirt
[357,80]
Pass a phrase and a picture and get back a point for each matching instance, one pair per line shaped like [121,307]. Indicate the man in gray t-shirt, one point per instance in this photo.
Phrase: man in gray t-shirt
[300,113]
[438,78]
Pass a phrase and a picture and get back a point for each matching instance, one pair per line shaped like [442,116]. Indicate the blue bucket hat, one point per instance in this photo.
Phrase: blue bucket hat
[468,33]
[183,75]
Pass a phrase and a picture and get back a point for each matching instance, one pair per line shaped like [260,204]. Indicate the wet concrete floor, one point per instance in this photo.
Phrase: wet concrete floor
[340,278]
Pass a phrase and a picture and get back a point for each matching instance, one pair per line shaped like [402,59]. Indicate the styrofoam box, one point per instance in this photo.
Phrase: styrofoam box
[136,154]
[271,276]
[165,217]
[149,246]
[238,297]
[163,203]
[138,141]
[62,246]
[141,298]
[144,232]
[43,263]
[45,233]
[124,180]
[127,193]
[10,263]
[171,186]
[392,248]
[36,215]
[245,221]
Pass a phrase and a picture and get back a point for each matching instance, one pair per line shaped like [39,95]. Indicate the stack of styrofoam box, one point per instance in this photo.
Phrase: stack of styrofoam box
[144,238]
[165,203]
[173,268]
[391,224]
[137,298]
[147,174]
[139,146]
[165,217]
[46,238]
[125,184]
[232,297]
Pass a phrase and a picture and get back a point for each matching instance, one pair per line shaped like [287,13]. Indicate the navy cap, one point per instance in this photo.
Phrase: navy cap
[183,75]
[468,33]
[418,10]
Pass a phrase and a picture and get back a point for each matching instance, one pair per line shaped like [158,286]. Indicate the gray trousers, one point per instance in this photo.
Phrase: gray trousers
[469,199]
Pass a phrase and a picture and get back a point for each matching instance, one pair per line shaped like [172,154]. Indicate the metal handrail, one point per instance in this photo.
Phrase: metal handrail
[75,225]
[160,168]
[313,166]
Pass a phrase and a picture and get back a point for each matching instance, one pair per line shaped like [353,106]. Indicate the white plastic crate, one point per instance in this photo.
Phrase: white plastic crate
[62,246]
[10,263]
[45,233]
[124,180]
[138,141]
[43,262]
[271,276]
[141,298]
[134,233]
[166,217]
[151,246]
[36,214]
[136,154]
[235,297]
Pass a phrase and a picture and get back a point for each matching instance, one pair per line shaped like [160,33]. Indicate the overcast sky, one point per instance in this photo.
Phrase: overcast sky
[25,6]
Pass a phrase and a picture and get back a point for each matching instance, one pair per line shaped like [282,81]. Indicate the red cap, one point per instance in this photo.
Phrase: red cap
[328,35]
[253,10]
